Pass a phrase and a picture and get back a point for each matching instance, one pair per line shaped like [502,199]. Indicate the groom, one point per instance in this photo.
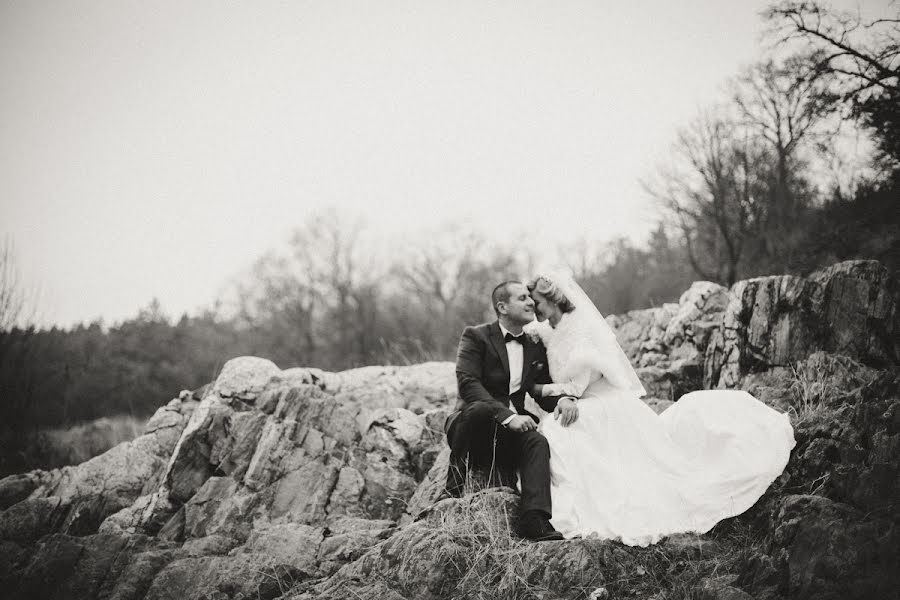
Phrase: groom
[491,431]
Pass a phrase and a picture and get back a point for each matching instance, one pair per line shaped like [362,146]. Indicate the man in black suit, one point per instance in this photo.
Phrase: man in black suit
[491,431]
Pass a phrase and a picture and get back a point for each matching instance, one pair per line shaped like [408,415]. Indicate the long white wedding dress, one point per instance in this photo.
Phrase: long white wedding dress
[623,472]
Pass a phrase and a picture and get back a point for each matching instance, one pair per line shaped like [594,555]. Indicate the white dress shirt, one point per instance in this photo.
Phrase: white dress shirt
[515,351]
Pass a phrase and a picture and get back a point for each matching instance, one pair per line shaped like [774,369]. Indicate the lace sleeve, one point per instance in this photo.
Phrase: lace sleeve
[583,370]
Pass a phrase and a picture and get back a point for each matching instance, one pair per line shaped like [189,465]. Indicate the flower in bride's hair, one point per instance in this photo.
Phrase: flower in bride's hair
[539,283]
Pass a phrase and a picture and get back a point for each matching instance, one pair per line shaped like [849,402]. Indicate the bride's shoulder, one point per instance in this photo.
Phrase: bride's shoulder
[538,331]
[578,332]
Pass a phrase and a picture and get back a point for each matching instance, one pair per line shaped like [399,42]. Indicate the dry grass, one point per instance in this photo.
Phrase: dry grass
[815,392]
[486,552]
[276,580]
[476,554]
[495,563]
[488,555]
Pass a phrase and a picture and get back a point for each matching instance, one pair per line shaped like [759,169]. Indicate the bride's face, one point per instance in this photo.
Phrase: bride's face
[543,308]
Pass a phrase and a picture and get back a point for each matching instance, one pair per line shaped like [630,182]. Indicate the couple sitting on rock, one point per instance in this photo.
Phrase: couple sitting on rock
[598,461]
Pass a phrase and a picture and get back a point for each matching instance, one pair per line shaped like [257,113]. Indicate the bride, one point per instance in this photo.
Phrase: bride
[623,472]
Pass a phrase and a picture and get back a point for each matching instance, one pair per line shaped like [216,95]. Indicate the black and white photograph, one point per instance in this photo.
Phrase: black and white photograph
[500,300]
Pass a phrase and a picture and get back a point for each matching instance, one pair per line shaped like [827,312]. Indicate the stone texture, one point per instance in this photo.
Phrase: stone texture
[833,551]
[96,566]
[700,311]
[639,331]
[348,490]
[668,344]
[247,575]
[850,309]
[16,488]
[32,518]
[147,515]
[290,544]
[211,545]
[303,494]
[349,538]
[430,489]
[244,378]
[417,387]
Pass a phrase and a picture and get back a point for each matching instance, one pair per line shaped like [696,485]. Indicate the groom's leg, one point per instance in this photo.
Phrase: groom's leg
[533,454]
[472,438]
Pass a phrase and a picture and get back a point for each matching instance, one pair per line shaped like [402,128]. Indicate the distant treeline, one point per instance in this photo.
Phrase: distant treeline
[757,185]
[413,310]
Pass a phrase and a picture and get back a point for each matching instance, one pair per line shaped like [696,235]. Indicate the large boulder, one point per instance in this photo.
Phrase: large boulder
[417,388]
[831,550]
[850,309]
[830,522]
[265,478]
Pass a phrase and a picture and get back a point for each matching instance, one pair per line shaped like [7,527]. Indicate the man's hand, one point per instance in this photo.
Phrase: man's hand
[522,423]
[566,411]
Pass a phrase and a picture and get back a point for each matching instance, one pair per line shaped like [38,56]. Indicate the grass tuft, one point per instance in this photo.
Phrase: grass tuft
[814,392]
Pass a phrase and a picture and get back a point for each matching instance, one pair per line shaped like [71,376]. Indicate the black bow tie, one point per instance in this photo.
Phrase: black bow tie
[514,338]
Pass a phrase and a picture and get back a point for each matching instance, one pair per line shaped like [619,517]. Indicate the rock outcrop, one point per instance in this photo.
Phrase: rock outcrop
[300,483]
[849,309]
[286,474]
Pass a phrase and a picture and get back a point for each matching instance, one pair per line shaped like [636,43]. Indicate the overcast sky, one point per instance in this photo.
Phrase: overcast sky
[157,148]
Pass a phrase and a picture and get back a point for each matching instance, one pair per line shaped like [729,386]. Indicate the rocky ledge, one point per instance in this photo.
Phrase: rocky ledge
[299,483]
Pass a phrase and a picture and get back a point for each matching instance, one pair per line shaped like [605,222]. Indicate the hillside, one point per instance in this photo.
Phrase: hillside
[300,483]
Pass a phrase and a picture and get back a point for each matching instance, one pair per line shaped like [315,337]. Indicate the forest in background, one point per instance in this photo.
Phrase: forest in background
[759,183]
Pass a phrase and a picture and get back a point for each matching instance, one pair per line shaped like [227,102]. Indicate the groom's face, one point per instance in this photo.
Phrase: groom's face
[520,307]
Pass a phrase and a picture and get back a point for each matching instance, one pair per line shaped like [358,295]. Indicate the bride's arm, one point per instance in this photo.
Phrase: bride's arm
[573,387]
[585,370]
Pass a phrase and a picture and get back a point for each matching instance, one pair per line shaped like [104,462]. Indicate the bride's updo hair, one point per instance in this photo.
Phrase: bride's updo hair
[545,286]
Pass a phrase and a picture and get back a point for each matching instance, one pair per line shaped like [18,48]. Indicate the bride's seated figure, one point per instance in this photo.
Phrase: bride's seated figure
[619,470]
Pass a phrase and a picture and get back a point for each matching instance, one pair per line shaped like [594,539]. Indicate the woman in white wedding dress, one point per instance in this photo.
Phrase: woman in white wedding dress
[623,472]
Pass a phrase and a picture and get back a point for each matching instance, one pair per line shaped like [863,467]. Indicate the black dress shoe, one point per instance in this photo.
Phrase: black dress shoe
[534,526]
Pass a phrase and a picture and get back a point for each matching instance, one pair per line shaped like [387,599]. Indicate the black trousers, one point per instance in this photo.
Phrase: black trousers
[483,449]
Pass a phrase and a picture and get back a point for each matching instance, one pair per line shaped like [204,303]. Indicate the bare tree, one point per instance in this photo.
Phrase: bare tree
[860,58]
[448,275]
[316,302]
[717,193]
[18,376]
[863,55]
[786,110]
[13,297]
[788,114]
[327,251]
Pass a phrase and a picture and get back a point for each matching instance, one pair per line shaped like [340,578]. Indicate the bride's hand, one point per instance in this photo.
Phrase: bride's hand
[566,411]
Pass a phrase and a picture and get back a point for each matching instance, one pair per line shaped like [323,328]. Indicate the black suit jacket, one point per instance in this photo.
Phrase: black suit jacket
[482,372]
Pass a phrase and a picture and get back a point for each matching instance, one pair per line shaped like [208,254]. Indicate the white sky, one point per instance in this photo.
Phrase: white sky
[157,148]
